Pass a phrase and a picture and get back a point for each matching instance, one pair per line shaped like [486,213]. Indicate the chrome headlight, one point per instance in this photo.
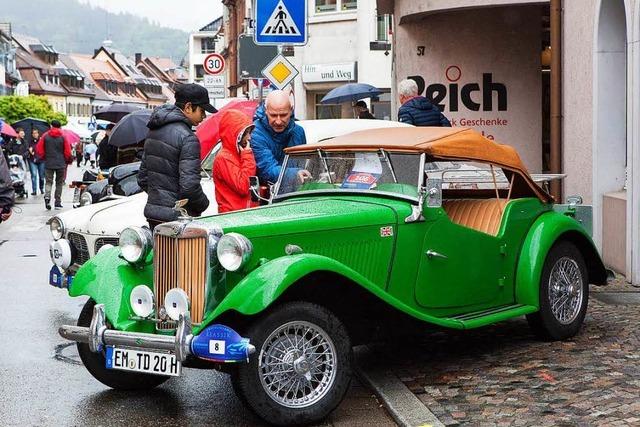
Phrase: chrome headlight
[135,243]
[234,250]
[85,199]
[56,226]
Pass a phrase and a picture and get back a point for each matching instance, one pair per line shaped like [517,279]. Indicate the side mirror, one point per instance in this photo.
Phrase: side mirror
[254,188]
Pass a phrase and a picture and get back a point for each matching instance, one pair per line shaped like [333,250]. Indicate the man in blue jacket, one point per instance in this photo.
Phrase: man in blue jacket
[274,131]
[417,110]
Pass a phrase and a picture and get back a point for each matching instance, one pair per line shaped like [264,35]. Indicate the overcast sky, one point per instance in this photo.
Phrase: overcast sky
[187,15]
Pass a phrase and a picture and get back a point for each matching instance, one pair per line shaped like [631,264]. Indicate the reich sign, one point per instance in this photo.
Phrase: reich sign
[213,64]
[281,22]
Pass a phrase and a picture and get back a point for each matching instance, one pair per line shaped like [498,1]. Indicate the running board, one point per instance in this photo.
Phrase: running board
[488,317]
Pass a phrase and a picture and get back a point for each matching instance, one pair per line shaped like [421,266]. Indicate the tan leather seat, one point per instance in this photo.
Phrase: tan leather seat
[484,215]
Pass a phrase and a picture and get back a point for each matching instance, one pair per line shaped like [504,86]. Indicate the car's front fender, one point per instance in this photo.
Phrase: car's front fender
[109,279]
[264,285]
[549,228]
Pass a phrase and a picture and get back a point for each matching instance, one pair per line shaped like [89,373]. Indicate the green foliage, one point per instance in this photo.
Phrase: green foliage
[14,108]
[79,28]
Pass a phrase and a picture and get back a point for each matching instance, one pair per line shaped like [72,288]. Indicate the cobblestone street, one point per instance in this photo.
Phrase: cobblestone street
[503,375]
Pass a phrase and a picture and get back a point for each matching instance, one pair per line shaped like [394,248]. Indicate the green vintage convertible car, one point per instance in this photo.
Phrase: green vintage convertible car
[439,226]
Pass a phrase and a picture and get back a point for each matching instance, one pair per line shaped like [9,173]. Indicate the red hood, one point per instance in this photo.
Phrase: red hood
[55,132]
[232,125]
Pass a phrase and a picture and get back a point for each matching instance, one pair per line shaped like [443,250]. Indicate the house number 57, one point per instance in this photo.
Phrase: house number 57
[420,50]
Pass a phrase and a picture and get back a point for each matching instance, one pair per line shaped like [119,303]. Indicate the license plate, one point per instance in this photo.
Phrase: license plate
[143,361]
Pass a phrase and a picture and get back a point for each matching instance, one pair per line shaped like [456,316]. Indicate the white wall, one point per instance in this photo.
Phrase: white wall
[507,46]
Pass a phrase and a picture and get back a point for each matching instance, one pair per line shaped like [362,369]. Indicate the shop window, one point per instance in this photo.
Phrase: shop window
[327,111]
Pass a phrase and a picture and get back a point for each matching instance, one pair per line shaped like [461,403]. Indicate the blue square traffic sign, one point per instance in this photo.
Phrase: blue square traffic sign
[281,22]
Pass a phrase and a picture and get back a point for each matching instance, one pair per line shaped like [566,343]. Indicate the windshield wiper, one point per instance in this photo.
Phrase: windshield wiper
[326,166]
[388,160]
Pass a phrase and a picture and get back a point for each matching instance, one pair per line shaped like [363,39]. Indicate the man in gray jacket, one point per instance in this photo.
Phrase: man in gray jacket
[7,195]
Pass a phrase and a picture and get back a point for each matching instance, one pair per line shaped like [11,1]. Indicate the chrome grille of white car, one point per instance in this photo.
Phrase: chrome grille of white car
[79,243]
[106,241]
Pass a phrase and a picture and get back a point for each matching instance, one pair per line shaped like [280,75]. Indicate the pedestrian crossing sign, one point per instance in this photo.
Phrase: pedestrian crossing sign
[281,22]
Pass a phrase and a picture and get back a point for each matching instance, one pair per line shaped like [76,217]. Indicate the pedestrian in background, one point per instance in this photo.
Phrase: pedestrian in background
[55,149]
[90,151]
[7,195]
[170,168]
[234,163]
[275,131]
[79,152]
[363,111]
[417,110]
[36,164]
[107,153]
[18,145]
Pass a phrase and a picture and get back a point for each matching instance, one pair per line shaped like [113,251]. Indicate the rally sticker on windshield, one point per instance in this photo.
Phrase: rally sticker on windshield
[386,231]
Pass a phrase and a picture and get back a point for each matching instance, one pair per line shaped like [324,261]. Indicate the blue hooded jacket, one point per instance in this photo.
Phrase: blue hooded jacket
[268,146]
[419,111]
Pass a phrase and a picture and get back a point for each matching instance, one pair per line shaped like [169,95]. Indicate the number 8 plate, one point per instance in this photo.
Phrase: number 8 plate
[143,361]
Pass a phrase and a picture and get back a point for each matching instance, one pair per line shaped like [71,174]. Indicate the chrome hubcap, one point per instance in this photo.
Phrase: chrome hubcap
[565,290]
[297,364]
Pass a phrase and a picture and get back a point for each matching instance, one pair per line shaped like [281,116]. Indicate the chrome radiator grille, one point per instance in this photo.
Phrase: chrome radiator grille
[181,262]
[106,241]
[80,244]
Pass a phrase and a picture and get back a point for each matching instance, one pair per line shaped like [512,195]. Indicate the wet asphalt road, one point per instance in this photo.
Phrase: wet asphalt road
[42,381]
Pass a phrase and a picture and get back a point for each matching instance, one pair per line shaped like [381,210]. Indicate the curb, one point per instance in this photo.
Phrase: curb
[403,406]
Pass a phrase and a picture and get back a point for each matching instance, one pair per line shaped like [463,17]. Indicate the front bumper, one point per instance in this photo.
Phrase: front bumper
[183,344]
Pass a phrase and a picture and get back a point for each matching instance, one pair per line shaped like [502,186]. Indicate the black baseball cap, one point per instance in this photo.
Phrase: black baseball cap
[196,95]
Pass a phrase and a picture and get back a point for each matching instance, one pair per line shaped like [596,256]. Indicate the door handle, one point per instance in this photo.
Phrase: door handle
[433,254]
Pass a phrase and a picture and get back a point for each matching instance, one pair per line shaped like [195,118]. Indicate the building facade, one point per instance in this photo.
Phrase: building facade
[209,39]
[496,78]
[9,74]
[348,42]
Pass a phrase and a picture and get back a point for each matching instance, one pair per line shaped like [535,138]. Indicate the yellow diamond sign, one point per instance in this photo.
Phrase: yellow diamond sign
[280,72]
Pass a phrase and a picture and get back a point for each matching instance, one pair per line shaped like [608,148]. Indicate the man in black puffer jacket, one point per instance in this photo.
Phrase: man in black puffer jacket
[417,110]
[170,169]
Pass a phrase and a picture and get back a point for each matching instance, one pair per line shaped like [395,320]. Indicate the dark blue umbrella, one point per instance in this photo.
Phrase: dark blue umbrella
[115,112]
[131,129]
[350,92]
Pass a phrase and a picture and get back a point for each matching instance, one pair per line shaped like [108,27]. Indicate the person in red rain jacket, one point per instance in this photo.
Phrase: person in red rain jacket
[55,150]
[234,163]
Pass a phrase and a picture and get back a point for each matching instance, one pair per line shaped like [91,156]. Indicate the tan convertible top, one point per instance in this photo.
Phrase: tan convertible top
[440,143]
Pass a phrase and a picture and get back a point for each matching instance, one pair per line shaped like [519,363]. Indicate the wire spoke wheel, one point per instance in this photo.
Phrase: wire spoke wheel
[565,290]
[297,364]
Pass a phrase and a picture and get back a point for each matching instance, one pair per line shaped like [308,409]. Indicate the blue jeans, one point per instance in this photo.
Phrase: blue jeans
[37,176]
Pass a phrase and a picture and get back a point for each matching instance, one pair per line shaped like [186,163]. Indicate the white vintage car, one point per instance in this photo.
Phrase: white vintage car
[79,234]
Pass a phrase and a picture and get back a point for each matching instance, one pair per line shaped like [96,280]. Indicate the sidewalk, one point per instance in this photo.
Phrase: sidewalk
[502,375]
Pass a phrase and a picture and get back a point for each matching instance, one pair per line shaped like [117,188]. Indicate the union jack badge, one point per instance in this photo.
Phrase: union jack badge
[386,231]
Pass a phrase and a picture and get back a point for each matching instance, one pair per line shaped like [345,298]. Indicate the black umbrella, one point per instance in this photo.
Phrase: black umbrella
[115,112]
[31,123]
[132,129]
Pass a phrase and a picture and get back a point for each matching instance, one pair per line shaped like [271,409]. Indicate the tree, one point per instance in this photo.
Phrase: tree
[14,108]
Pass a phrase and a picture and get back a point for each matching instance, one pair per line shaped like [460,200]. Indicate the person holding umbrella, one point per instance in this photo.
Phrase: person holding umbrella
[36,164]
[107,153]
[55,149]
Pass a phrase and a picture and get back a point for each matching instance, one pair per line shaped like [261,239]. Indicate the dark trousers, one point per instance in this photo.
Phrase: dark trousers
[59,177]
[153,223]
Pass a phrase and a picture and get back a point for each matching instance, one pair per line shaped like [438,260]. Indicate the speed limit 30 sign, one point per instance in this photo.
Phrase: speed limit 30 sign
[213,64]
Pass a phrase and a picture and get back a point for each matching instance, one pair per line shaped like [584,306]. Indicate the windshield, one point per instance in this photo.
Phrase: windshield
[376,171]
